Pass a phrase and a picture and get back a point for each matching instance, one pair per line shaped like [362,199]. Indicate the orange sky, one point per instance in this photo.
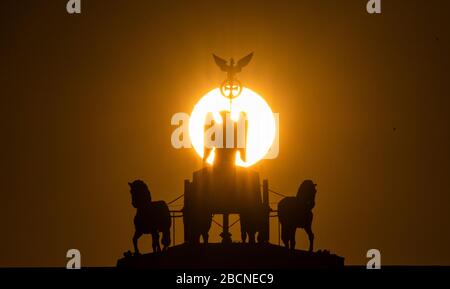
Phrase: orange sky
[87,100]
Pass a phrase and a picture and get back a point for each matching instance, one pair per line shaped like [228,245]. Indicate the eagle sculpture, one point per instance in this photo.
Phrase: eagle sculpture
[231,69]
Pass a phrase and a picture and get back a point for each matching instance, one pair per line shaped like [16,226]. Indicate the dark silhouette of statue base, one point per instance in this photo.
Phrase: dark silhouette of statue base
[294,212]
[232,256]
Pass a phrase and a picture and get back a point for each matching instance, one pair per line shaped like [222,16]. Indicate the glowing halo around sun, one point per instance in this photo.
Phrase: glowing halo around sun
[261,122]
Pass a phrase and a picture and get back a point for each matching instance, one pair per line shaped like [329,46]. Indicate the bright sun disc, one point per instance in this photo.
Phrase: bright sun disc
[261,122]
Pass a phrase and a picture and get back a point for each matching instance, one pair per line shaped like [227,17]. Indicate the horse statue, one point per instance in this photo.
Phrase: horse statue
[296,212]
[151,217]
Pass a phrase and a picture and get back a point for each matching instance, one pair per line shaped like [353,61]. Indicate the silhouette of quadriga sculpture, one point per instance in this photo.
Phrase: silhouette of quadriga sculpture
[223,188]
[151,217]
[296,212]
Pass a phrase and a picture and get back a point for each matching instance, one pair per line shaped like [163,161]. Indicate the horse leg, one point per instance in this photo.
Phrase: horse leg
[243,230]
[285,236]
[310,237]
[243,236]
[158,245]
[205,237]
[155,242]
[251,237]
[165,239]
[136,237]
[292,238]
[196,238]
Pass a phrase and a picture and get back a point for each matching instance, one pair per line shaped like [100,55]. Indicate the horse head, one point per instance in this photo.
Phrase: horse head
[306,194]
[140,194]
